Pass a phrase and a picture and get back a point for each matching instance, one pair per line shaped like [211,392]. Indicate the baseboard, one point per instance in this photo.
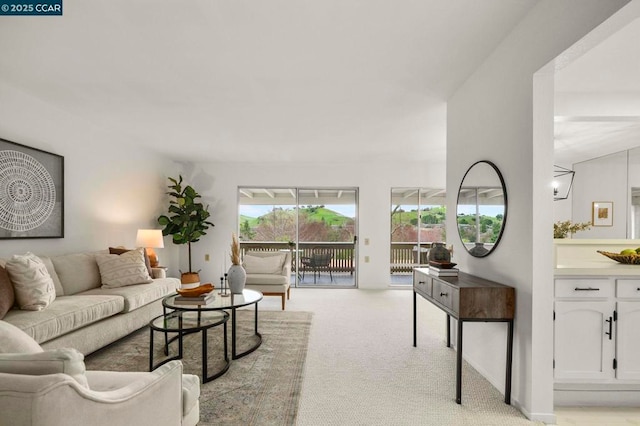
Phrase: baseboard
[596,398]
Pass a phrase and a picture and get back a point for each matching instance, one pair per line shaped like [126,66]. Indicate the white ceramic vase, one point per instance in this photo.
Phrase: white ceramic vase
[237,277]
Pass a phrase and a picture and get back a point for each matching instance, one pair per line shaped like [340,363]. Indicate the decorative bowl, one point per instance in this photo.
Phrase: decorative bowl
[197,291]
[442,265]
[628,259]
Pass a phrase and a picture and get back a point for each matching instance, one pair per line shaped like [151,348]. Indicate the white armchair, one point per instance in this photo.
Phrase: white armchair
[52,388]
[269,272]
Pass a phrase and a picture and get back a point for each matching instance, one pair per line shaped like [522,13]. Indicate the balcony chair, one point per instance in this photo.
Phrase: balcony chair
[52,388]
[320,260]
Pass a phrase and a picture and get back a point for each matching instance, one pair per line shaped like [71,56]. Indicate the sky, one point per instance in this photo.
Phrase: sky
[348,210]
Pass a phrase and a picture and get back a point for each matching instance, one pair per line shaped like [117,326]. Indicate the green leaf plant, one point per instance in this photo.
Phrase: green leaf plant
[187,220]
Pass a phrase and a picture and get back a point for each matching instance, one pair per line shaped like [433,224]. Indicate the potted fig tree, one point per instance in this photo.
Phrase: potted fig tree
[186,222]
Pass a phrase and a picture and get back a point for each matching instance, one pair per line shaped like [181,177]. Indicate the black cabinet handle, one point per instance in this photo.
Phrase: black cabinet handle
[586,289]
[610,321]
[444,294]
[422,282]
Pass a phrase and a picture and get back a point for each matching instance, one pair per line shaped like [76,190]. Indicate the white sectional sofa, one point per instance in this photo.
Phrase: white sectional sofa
[84,315]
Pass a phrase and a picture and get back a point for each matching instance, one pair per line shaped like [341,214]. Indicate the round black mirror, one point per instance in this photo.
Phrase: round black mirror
[481,211]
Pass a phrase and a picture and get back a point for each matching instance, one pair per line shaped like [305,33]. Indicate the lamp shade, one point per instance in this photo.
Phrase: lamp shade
[151,238]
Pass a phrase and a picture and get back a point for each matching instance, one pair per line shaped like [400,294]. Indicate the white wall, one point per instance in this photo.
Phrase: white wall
[111,187]
[491,117]
[218,183]
[602,179]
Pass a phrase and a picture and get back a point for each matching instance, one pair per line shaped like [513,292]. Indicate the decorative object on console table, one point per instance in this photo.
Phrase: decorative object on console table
[237,275]
[442,269]
[185,204]
[31,192]
[439,252]
[150,239]
[602,213]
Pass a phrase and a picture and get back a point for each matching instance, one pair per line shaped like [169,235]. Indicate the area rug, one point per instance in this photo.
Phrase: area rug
[262,388]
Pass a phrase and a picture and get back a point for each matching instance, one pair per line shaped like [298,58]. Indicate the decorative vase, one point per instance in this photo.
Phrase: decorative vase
[439,253]
[237,277]
[479,250]
[190,279]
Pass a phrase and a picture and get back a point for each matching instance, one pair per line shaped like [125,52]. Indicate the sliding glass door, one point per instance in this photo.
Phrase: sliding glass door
[318,226]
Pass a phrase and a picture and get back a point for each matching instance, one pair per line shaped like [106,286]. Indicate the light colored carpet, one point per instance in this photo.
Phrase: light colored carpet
[261,388]
[362,369]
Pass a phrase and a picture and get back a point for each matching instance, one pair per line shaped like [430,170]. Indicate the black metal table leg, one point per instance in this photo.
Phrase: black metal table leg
[448,330]
[459,365]
[151,349]
[414,321]
[507,386]
[233,333]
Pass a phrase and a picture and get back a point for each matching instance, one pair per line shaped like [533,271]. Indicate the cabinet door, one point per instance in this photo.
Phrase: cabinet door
[582,350]
[628,340]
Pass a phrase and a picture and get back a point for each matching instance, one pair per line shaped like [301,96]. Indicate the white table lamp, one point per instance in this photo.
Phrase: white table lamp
[150,239]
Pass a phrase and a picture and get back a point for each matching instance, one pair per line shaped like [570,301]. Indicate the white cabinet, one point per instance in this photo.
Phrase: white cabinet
[597,330]
[628,340]
[583,345]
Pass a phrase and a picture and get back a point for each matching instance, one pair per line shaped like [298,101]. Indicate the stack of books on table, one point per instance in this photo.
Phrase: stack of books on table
[202,299]
[440,272]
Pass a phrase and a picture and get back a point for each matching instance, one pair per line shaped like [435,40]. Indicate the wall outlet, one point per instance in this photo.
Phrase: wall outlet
[366,241]
[206,257]
[366,259]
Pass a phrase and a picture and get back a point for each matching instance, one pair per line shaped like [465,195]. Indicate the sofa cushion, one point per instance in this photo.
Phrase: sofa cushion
[254,264]
[14,340]
[32,284]
[7,296]
[136,296]
[120,250]
[67,361]
[267,279]
[54,275]
[77,272]
[66,314]
[119,270]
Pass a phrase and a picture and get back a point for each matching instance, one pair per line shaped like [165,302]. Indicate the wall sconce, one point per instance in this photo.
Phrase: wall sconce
[150,239]
[563,178]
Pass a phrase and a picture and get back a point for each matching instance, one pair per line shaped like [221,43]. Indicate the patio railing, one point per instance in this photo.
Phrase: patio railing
[404,256]
[343,253]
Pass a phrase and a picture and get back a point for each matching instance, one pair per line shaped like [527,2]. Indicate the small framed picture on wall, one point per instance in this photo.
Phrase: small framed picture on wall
[602,213]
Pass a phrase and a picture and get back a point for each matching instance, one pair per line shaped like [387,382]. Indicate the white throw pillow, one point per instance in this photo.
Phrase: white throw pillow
[32,284]
[263,265]
[12,340]
[67,361]
[119,270]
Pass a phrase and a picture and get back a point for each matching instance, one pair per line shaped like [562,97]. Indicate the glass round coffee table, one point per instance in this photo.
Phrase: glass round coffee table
[224,303]
[186,322]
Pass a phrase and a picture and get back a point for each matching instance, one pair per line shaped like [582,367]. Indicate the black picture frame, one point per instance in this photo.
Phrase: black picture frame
[31,192]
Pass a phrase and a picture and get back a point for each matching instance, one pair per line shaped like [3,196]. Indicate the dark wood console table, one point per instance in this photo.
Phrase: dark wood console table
[467,298]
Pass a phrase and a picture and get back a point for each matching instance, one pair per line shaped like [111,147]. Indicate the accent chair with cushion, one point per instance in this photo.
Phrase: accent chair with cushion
[51,388]
[269,272]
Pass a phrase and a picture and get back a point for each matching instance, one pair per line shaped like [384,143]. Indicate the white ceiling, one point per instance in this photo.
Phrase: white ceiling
[598,99]
[250,80]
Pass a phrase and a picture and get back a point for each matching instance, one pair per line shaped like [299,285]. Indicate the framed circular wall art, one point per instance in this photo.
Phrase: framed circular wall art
[31,192]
